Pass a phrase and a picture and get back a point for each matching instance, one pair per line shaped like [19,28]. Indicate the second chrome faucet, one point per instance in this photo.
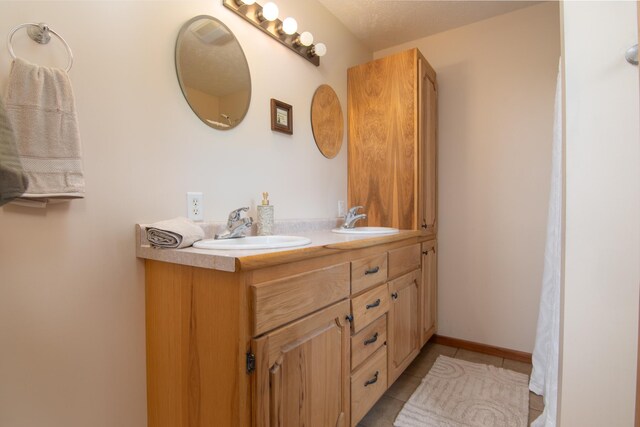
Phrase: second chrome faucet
[351,217]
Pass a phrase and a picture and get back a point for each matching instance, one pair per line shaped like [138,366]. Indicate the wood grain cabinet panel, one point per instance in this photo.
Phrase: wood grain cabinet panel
[194,321]
[368,272]
[403,260]
[368,384]
[277,302]
[369,306]
[391,106]
[428,294]
[403,329]
[302,375]
[368,340]
[429,153]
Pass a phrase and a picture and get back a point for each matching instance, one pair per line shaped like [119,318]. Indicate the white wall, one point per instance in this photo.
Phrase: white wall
[72,344]
[602,246]
[496,81]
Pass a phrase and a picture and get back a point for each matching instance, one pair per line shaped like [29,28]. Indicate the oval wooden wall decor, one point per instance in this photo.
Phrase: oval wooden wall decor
[327,121]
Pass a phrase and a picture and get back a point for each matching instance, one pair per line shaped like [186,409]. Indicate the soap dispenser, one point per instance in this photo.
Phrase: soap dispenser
[265,217]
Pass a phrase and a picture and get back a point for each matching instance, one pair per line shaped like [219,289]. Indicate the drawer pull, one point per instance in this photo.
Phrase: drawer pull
[371,340]
[394,295]
[349,318]
[373,304]
[373,270]
[372,380]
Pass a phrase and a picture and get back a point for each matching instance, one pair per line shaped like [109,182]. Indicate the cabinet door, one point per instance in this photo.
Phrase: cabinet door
[428,292]
[403,323]
[429,165]
[382,132]
[302,372]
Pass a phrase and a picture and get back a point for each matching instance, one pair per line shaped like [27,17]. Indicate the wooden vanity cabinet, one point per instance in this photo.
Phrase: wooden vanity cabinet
[392,125]
[314,341]
[428,294]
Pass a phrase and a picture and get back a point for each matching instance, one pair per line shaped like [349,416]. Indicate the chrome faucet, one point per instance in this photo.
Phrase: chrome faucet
[236,226]
[351,217]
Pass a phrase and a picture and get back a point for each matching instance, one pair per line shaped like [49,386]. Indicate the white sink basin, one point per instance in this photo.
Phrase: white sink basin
[366,230]
[253,242]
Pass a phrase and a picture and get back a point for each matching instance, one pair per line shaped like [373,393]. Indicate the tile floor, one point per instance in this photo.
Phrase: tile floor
[384,412]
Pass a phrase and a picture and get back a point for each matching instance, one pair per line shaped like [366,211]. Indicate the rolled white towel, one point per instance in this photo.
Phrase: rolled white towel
[174,233]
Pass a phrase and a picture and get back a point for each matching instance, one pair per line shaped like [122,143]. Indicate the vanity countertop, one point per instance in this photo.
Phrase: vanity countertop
[322,243]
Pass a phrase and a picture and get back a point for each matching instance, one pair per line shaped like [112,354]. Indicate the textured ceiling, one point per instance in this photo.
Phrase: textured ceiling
[384,23]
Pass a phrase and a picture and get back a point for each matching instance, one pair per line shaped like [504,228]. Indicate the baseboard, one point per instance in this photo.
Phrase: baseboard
[506,353]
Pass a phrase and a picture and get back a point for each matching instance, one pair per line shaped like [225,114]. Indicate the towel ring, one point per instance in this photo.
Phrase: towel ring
[39,33]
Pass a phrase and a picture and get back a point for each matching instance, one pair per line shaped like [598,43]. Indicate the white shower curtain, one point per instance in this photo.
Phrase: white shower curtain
[544,377]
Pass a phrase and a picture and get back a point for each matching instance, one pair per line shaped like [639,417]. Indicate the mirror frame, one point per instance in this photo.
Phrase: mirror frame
[183,29]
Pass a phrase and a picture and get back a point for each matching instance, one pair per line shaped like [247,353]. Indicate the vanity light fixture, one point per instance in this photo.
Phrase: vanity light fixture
[269,11]
[266,19]
[289,26]
[304,39]
[319,49]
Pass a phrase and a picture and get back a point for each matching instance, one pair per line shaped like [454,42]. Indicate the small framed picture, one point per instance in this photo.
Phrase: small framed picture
[281,117]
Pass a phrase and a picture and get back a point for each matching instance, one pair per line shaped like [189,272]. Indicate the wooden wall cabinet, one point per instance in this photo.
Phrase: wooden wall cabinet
[392,132]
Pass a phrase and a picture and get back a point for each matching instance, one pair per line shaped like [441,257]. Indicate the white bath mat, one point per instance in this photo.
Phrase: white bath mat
[457,393]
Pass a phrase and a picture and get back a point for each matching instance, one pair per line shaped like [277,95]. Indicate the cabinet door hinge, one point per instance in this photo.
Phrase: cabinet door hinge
[251,362]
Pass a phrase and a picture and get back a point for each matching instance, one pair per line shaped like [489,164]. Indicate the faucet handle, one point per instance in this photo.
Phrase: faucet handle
[235,214]
[354,210]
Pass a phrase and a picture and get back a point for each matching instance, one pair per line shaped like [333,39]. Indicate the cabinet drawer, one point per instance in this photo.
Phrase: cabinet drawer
[368,384]
[369,306]
[403,260]
[368,272]
[368,340]
[280,301]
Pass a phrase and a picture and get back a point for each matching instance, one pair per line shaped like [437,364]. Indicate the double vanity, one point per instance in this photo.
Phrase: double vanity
[312,335]
[310,329]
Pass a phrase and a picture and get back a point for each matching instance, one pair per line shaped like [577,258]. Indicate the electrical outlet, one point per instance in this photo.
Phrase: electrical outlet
[194,206]
[341,208]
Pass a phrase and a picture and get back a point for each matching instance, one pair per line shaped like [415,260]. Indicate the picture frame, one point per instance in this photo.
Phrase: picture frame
[281,117]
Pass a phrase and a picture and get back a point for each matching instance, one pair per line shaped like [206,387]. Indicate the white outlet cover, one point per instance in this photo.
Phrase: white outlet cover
[195,211]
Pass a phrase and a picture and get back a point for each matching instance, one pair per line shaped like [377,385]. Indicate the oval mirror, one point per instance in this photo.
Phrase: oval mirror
[213,72]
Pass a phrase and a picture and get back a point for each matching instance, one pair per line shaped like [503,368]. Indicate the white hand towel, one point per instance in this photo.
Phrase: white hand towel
[174,233]
[41,108]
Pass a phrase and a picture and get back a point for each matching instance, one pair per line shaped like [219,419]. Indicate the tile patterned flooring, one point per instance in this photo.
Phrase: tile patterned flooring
[385,411]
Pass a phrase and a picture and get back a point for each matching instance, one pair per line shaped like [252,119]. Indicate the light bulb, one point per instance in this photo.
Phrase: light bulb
[305,39]
[289,26]
[270,11]
[319,49]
